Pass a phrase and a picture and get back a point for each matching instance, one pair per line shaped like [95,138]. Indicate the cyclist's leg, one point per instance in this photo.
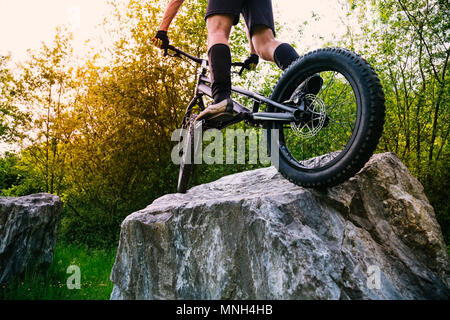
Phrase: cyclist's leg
[264,42]
[219,55]
[258,15]
[283,54]
[270,49]
[220,17]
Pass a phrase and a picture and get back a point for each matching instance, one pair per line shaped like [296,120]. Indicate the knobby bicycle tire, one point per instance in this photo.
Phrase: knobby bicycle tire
[370,101]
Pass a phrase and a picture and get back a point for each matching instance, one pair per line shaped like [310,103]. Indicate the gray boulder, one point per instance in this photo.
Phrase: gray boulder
[255,235]
[28,227]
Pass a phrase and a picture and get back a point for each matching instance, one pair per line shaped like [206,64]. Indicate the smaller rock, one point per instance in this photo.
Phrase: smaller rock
[28,229]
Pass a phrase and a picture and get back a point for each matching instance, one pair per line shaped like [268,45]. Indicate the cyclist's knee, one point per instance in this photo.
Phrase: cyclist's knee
[264,42]
[216,38]
[219,23]
[219,28]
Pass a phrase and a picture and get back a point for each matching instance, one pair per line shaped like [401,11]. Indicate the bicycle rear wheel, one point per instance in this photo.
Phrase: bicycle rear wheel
[342,123]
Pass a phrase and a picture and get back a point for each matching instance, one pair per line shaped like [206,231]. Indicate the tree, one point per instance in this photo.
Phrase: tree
[408,42]
[12,119]
[46,90]
[125,110]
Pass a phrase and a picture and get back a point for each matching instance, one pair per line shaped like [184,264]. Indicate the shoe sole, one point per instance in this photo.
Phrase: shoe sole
[214,109]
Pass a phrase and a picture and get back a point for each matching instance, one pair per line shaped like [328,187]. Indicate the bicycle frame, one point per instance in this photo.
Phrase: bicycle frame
[253,116]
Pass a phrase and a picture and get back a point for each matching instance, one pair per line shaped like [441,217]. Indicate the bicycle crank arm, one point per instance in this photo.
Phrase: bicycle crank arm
[266,116]
[273,116]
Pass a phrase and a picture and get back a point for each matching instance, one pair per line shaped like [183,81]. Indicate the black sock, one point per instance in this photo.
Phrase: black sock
[220,68]
[284,55]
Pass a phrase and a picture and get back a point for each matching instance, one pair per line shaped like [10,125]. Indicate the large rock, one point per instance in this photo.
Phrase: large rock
[28,227]
[254,235]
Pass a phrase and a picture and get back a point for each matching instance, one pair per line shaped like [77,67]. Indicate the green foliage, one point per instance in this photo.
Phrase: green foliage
[15,179]
[100,136]
[9,174]
[408,43]
[89,226]
[119,159]
[95,267]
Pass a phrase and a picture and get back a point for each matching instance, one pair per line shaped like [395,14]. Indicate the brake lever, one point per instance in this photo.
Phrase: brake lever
[167,54]
[242,70]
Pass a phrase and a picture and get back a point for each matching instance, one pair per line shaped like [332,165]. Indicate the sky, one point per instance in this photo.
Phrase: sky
[24,24]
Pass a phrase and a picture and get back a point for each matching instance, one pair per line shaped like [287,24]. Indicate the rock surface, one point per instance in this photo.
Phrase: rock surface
[28,227]
[254,235]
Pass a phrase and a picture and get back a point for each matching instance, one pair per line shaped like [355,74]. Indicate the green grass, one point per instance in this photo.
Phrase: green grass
[95,267]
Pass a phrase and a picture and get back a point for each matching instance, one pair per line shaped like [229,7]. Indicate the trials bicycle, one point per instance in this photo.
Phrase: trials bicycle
[324,138]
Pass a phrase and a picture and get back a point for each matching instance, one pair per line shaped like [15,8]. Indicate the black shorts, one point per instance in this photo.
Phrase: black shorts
[255,12]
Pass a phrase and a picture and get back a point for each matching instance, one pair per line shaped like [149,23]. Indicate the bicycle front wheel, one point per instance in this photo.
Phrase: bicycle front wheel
[341,124]
[187,154]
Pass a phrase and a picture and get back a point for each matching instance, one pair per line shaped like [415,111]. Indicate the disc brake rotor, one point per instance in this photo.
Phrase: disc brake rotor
[318,115]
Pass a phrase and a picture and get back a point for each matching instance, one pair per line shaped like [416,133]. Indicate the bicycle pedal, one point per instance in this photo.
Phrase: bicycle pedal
[219,119]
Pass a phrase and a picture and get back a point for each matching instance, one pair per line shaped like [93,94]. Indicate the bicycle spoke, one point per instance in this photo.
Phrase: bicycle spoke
[324,91]
[349,101]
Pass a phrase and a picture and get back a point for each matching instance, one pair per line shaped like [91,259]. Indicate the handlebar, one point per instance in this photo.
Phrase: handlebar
[179,53]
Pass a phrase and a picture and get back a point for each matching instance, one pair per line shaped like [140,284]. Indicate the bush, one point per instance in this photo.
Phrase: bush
[95,267]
